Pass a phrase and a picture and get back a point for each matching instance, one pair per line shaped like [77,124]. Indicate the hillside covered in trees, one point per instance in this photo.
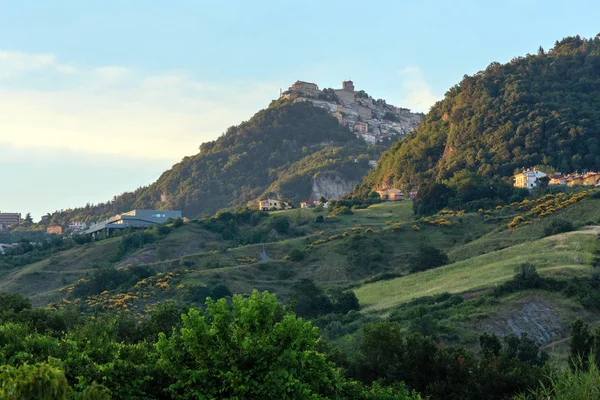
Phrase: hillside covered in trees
[537,110]
[282,146]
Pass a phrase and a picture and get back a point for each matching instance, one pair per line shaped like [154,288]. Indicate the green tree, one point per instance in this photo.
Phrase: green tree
[309,300]
[28,220]
[41,381]
[248,349]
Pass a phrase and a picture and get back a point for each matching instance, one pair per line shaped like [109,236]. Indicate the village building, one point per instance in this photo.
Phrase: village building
[300,88]
[575,180]
[360,128]
[309,203]
[528,179]
[558,179]
[269,204]
[391,194]
[55,229]
[591,179]
[77,226]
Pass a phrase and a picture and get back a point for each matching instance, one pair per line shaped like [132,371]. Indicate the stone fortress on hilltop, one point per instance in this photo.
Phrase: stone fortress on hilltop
[373,120]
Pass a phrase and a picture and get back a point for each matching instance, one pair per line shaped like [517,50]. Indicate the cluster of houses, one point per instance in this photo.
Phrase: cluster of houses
[274,204]
[371,119]
[529,178]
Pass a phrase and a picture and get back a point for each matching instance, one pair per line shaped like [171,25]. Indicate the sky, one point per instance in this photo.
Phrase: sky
[98,98]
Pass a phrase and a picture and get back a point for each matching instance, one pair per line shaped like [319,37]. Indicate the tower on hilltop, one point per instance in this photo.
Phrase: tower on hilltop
[348,86]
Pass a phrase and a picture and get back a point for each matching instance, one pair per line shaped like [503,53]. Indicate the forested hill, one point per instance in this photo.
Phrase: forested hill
[541,109]
[241,164]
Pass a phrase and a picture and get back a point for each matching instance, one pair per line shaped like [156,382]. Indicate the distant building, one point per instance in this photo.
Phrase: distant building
[591,178]
[306,88]
[4,247]
[8,219]
[348,86]
[135,219]
[360,128]
[528,178]
[269,204]
[309,203]
[55,229]
[77,226]
[575,180]
[391,194]
[558,179]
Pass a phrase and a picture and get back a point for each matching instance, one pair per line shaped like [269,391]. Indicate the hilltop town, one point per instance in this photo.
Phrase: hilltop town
[373,120]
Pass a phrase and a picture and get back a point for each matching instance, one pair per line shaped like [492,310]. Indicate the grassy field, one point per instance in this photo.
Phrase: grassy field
[585,212]
[561,254]
[341,251]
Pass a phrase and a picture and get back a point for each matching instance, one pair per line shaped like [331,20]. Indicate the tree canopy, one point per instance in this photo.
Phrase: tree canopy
[537,110]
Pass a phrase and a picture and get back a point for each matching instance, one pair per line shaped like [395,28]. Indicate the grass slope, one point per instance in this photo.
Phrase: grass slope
[567,253]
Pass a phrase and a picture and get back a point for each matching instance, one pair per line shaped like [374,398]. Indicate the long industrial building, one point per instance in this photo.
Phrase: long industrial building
[136,219]
[8,219]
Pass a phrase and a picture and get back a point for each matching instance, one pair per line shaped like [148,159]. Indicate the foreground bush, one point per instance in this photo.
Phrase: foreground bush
[575,384]
[36,382]
[251,349]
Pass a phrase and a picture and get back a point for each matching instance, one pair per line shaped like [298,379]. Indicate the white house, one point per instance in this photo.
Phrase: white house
[528,178]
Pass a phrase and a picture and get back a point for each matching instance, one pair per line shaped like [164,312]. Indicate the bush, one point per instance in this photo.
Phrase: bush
[319,219]
[296,255]
[558,226]
[199,293]
[280,224]
[309,300]
[428,257]
[527,277]
[178,223]
[343,210]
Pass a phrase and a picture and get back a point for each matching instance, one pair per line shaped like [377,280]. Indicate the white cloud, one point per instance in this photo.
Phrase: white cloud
[15,63]
[117,111]
[417,93]
[112,74]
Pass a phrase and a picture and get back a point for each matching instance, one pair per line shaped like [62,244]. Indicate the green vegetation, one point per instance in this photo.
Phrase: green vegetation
[248,347]
[466,293]
[556,255]
[537,110]
[280,150]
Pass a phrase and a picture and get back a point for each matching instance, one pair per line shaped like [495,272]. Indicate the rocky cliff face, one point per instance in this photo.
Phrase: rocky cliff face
[331,185]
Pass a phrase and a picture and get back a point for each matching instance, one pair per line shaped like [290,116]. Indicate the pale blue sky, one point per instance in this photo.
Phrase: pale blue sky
[100,97]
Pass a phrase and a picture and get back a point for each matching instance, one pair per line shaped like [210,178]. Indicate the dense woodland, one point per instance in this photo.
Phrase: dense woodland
[247,347]
[537,110]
